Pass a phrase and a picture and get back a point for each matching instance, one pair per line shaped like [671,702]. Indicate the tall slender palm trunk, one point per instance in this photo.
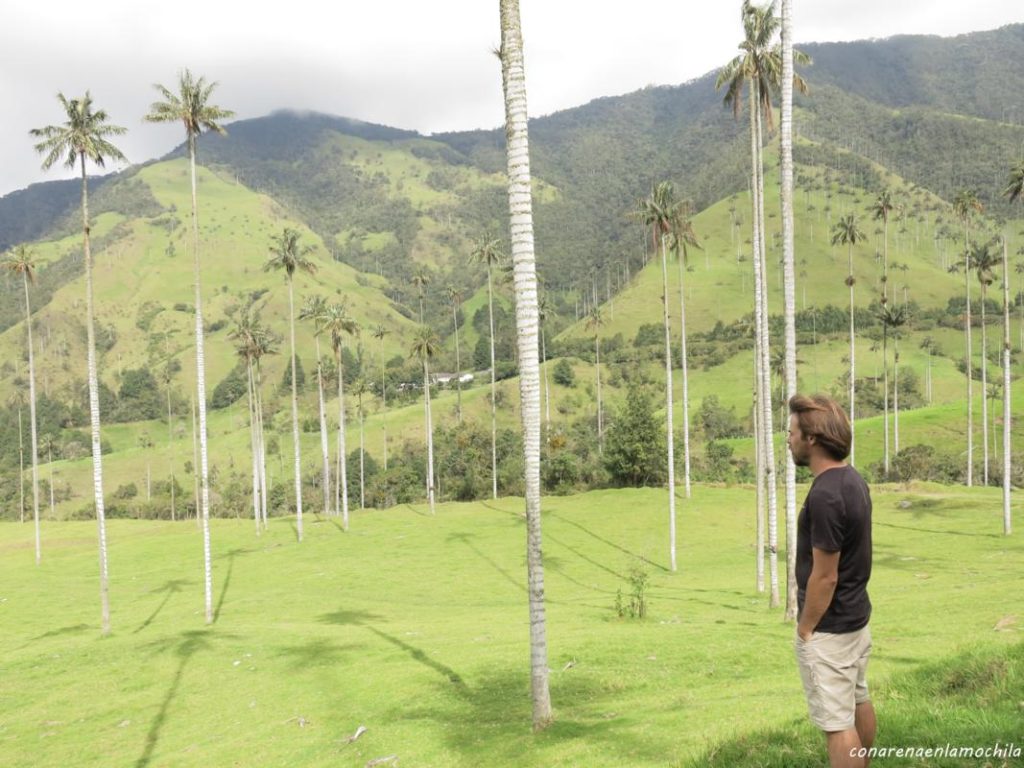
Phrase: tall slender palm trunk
[170,449]
[32,423]
[254,444]
[494,416]
[295,415]
[761,328]
[789,284]
[600,418]
[195,461]
[896,395]
[429,424]
[201,395]
[984,389]
[342,486]
[324,446]
[968,357]
[21,468]
[94,416]
[885,396]
[384,403]
[853,374]
[527,324]
[362,457]
[458,363]
[547,384]
[1007,527]
[669,420]
[683,357]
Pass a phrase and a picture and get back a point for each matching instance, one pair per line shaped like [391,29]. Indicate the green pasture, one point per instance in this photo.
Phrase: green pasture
[415,627]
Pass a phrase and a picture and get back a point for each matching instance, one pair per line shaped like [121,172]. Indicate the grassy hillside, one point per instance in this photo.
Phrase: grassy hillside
[415,628]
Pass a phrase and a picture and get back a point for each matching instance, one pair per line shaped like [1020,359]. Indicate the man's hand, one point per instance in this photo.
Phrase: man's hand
[804,634]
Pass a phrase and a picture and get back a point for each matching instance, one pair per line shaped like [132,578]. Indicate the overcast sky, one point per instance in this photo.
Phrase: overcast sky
[406,63]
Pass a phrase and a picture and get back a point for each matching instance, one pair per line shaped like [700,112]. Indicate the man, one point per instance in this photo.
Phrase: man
[833,565]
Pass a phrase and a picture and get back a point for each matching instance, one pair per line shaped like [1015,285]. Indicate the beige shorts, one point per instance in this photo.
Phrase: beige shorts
[833,670]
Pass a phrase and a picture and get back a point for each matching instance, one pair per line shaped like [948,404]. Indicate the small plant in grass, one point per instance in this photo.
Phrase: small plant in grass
[635,605]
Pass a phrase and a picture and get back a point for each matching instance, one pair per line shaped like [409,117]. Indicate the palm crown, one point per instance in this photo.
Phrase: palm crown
[287,254]
[190,105]
[84,135]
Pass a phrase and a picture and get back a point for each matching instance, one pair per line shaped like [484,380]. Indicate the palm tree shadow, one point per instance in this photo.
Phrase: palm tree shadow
[191,642]
[603,540]
[465,538]
[363,618]
[171,587]
[227,583]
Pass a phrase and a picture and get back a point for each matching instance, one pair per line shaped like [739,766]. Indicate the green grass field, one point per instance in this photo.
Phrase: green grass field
[416,628]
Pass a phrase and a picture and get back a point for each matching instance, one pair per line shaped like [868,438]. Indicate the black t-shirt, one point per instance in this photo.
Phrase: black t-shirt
[836,517]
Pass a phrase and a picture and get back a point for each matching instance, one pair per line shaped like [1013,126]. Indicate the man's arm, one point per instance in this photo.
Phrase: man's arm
[821,585]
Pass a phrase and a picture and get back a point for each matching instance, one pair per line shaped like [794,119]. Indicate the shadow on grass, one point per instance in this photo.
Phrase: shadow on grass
[603,540]
[466,539]
[188,645]
[171,587]
[364,618]
[487,721]
[226,584]
[941,533]
[320,653]
[972,699]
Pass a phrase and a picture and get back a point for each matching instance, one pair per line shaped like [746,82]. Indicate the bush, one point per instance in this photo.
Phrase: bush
[634,451]
[563,374]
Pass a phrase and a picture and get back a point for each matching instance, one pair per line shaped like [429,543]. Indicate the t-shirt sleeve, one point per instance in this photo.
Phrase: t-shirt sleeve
[827,513]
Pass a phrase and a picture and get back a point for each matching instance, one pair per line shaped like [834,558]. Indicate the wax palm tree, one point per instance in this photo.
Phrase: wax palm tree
[521,225]
[86,136]
[19,263]
[594,323]
[847,232]
[487,251]
[455,299]
[966,203]
[379,332]
[339,323]
[421,279]
[682,239]
[660,212]
[244,335]
[789,288]
[882,208]
[425,346]
[287,255]
[543,309]
[359,389]
[17,400]
[192,107]
[1007,526]
[984,261]
[891,317]
[315,308]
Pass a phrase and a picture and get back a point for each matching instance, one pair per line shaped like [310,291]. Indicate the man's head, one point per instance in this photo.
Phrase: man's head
[817,426]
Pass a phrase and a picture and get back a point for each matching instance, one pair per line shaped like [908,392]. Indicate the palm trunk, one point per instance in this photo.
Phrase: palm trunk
[362,458]
[201,395]
[21,468]
[685,373]
[885,395]
[527,322]
[342,456]
[547,384]
[896,395]
[759,483]
[94,414]
[759,372]
[384,403]
[295,415]
[195,460]
[32,415]
[1007,527]
[670,426]
[261,438]
[600,421]
[428,422]
[254,445]
[458,363]
[324,445]
[761,299]
[170,447]
[968,358]
[984,388]
[789,286]
[494,418]
[853,374]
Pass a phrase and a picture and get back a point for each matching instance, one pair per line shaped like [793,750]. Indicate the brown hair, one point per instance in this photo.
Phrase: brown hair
[820,417]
